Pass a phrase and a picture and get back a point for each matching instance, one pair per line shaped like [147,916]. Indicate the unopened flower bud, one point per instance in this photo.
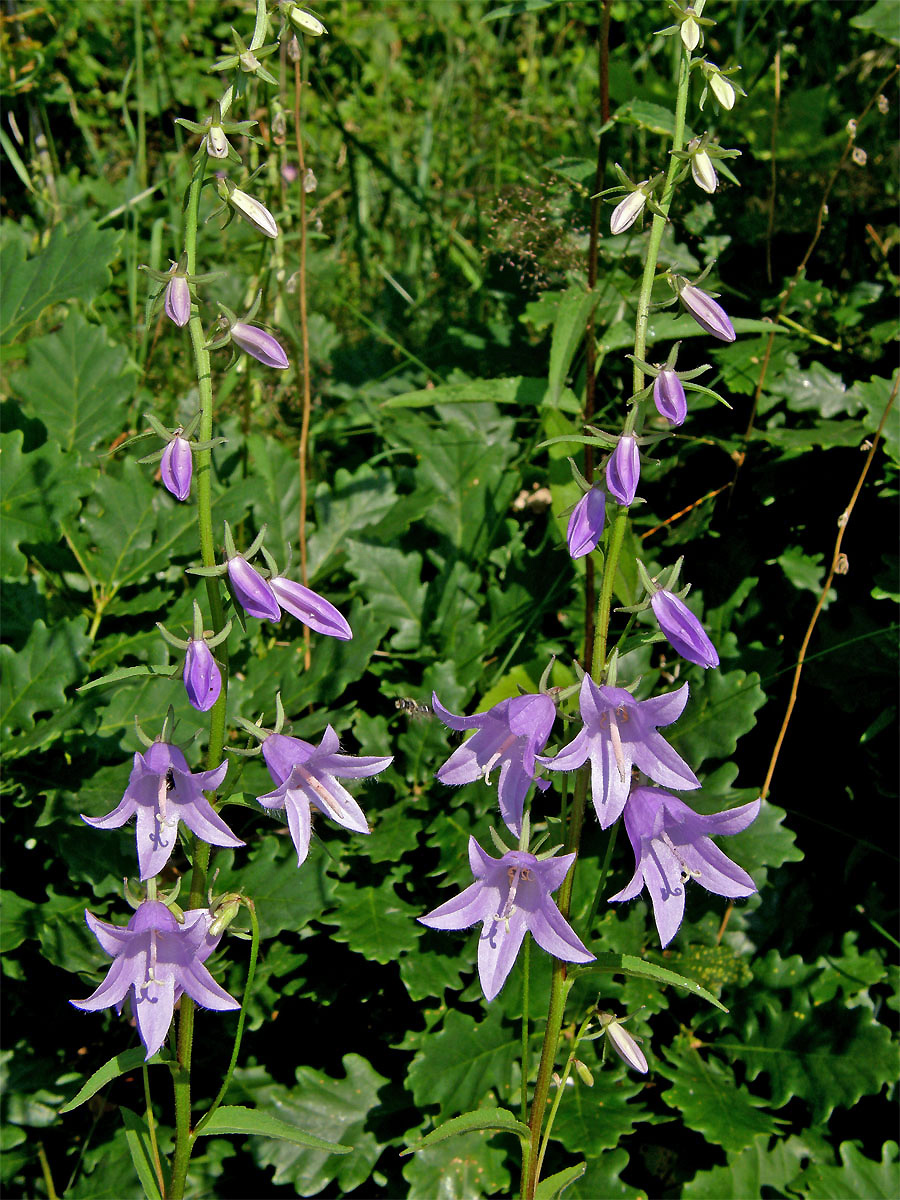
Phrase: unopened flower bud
[583,1073]
[253,212]
[668,396]
[690,32]
[722,89]
[704,172]
[216,142]
[176,468]
[623,1043]
[623,471]
[683,630]
[260,344]
[253,593]
[627,211]
[586,523]
[178,300]
[310,608]
[306,22]
[225,912]
[202,677]
[708,315]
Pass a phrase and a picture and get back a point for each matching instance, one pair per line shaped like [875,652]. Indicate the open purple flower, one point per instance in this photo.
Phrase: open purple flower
[253,593]
[177,302]
[305,774]
[668,396]
[260,344]
[176,467]
[623,470]
[310,608]
[162,791]
[511,896]
[671,845]
[586,523]
[708,315]
[201,675]
[620,732]
[683,630]
[511,734]
[157,959]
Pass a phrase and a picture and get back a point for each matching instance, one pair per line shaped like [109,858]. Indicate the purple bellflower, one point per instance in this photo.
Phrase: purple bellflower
[157,959]
[671,845]
[310,608]
[305,774]
[176,467]
[708,315]
[511,734]
[202,677]
[620,732]
[623,470]
[260,345]
[162,791]
[177,302]
[511,896]
[253,593]
[586,523]
[683,630]
[668,396]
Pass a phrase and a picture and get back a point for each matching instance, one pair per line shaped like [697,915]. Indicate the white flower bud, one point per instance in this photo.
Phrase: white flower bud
[306,22]
[623,1043]
[255,213]
[216,142]
[704,172]
[722,89]
[690,34]
[627,211]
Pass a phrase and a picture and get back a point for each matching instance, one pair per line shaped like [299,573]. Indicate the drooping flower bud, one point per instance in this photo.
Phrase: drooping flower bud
[202,677]
[176,467]
[668,396]
[683,630]
[722,89]
[624,1044]
[704,172]
[253,212]
[253,593]
[628,210]
[586,523]
[623,470]
[310,608]
[306,22]
[690,31]
[178,300]
[708,315]
[260,344]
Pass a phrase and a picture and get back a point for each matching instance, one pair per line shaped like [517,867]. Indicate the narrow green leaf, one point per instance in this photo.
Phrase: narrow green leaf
[235,1118]
[128,673]
[127,1061]
[575,308]
[481,1118]
[137,1136]
[518,389]
[554,1185]
[627,964]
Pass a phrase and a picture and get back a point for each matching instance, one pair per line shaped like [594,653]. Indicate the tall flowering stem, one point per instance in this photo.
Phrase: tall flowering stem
[559,987]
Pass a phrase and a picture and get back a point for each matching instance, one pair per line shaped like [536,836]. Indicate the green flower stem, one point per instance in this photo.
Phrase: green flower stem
[559,993]
[561,1088]
[526,978]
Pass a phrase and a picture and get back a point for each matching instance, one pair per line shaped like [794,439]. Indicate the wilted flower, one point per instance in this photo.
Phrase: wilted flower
[305,774]
[620,732]
[671,845]
[310,608]
[624,1043]
[623,470]
[683,630]
[586,523]
[628,210]
[668,396]
[511,896]
[260,344]
[253,593]
[177,301]
[511,734]
[162,790]
[157,959]
[708,315]
[176,467]
[253,212]
[202,677]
